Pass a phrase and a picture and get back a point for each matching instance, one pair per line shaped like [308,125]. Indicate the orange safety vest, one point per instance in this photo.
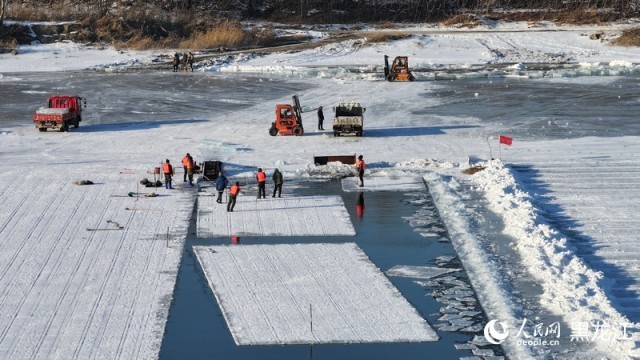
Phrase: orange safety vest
[167,168]
[360,165]
[261,176]
[235,189]
[185,161]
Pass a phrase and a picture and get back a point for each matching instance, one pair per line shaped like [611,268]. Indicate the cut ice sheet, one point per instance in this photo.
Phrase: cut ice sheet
[308,293]
[419,272]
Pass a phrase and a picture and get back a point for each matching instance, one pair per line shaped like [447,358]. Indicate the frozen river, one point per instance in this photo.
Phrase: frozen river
[533,109]
[526,108]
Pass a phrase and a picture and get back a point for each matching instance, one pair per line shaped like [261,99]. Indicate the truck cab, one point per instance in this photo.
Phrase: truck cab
[61,112]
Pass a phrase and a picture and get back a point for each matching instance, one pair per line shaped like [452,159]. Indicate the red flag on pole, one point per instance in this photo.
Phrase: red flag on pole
[505,140]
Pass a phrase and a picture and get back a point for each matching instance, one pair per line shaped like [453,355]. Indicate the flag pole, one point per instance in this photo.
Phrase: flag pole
[500,151]
[490,152]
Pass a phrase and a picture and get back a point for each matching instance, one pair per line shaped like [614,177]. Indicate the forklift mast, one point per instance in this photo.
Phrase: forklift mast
[297,109]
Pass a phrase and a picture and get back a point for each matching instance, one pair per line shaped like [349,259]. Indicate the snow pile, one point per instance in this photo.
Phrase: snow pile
[571,289]
[490,287]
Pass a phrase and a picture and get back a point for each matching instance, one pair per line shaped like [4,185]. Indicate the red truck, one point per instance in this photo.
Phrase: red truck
[61,112]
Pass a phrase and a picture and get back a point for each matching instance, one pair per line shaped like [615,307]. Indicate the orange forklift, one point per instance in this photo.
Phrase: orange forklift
[399,70]
[288,119]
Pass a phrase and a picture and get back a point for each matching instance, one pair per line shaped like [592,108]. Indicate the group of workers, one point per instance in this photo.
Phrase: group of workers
[187,61]
[189,166]
[222,182]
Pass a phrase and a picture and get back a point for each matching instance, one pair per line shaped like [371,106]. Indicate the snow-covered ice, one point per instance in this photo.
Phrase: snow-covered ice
[283,216]
[384,184]
[308,294]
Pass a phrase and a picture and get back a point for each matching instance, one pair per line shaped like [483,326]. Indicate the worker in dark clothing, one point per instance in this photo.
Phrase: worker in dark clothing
[167,169]
[360,166]
[233,194]
[277,182]
[262,181]
[221,184]
[185,59]
[190,60]
[176,62]
[320,118]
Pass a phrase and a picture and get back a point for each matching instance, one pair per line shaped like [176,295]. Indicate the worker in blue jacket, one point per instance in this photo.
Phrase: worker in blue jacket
[221,184]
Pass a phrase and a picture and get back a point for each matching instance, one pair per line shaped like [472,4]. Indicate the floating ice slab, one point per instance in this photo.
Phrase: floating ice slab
[404,183]
[419,272]
[290,216]
[308,293]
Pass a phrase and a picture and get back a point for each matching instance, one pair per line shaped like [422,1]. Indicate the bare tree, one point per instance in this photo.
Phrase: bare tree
[3,6]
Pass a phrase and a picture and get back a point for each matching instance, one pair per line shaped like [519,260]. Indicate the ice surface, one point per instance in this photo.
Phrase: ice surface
[383,184]
[286,216]
[419,272]
[308,293]
[73,284]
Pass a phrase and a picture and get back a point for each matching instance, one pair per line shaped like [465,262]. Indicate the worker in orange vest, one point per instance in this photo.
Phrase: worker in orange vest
[360,166]
[233,194]
[167,169]
[185,161]
[190,169]
[262,181]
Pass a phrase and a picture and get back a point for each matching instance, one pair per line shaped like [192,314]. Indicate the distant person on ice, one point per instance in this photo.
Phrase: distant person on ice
[320,118]
[167,169]
[221,184]
[262,181]
[277,182]
[233,194]
[360,166]
[190,60]
[176,62]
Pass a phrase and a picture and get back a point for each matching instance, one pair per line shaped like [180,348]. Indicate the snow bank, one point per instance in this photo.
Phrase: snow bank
[570,288]
[484,273]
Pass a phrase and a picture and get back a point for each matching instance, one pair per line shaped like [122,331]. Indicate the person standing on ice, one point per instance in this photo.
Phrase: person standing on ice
[360,166]
[262,181]
[185,163]
[277,182]
[190,169]
[190,60]
[167,169]
[176,62]
[221,184]
[320,118]
[233,194]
